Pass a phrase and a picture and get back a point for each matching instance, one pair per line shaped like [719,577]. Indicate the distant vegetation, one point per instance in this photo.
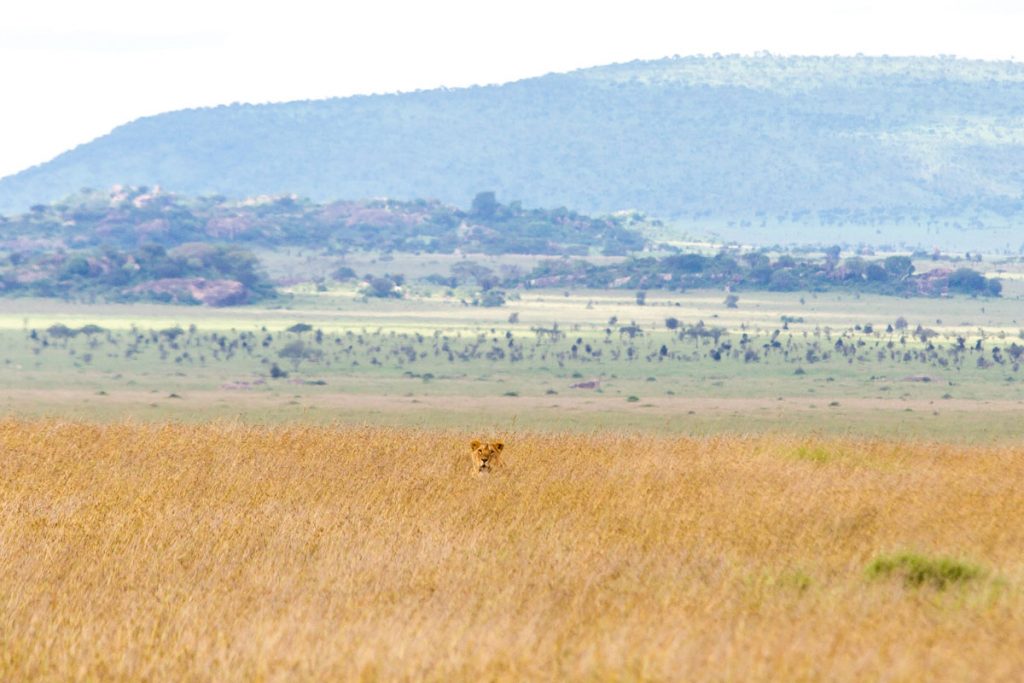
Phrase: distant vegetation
[128,217]
[142,243]
[754,140]
[137,243]
[893,275]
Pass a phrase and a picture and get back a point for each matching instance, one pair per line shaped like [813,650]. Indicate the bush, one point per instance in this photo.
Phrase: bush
[812,454]
[967,281]
[61,331]
[917,570]
[784,281]
[383,287]
[492,298]
[343,273]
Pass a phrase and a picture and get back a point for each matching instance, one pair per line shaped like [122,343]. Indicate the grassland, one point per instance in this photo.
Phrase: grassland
[227,551]
[383,362]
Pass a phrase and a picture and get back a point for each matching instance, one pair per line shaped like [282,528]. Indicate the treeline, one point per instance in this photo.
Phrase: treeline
[894,275]
[129,217]
[195,273]
[138,243]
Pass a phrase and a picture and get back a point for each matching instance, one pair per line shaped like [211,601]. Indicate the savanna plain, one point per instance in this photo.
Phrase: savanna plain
[803,487]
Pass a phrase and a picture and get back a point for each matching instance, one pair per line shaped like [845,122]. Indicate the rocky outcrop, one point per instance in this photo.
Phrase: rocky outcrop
[190,290]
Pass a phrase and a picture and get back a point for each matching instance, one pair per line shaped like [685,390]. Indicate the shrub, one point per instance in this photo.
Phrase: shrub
[383,287]
[917,570]
[61,331]
[812,454]
[343,273]
[492,298]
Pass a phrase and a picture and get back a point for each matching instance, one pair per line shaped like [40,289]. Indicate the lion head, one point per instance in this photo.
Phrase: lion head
[486,454]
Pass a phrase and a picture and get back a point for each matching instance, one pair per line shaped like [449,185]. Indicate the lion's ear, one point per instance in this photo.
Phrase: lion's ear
[474,444]
[498,445]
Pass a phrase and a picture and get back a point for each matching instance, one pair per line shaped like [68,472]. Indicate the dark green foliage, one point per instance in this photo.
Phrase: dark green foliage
[492,298]
[61,331]
[343,273]
[383,287]
[484,205]
[968,281]
[919,570]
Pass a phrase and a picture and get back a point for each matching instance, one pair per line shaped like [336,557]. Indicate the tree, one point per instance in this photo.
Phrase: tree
[967,281]
[342,273]
[492,298]
[641,298]
[297,351]
[76,266]
[899,267]
[383,287]
[485,205]
[731,301]
[876,273]
[783,281]
[685,263]
[471,270]
[671,323]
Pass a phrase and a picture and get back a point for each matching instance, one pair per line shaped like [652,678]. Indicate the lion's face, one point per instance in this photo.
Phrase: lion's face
[486,454]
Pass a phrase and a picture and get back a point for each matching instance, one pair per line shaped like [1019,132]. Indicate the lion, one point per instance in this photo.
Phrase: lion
[486,454]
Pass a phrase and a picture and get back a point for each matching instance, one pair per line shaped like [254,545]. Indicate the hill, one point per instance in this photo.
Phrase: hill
[745,141]
[144,243]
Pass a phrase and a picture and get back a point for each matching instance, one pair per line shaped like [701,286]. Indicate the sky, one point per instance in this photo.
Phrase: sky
[71,71]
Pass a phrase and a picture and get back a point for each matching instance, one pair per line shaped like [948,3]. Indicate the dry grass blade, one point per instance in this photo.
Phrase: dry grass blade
[226,552]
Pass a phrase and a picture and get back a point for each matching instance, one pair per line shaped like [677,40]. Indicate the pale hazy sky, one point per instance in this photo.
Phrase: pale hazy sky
[71,70]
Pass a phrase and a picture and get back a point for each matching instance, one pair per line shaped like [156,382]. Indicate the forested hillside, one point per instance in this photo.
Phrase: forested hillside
[832,140]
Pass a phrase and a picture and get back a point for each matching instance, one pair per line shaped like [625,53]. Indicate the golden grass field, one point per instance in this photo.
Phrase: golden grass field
[225,551]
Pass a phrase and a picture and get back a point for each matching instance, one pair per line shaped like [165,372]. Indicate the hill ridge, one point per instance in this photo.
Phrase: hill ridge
[725,140]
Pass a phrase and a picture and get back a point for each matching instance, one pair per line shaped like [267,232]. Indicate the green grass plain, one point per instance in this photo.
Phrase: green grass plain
[365,373]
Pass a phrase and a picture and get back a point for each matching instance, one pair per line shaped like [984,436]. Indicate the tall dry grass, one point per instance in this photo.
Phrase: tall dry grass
[231,552]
